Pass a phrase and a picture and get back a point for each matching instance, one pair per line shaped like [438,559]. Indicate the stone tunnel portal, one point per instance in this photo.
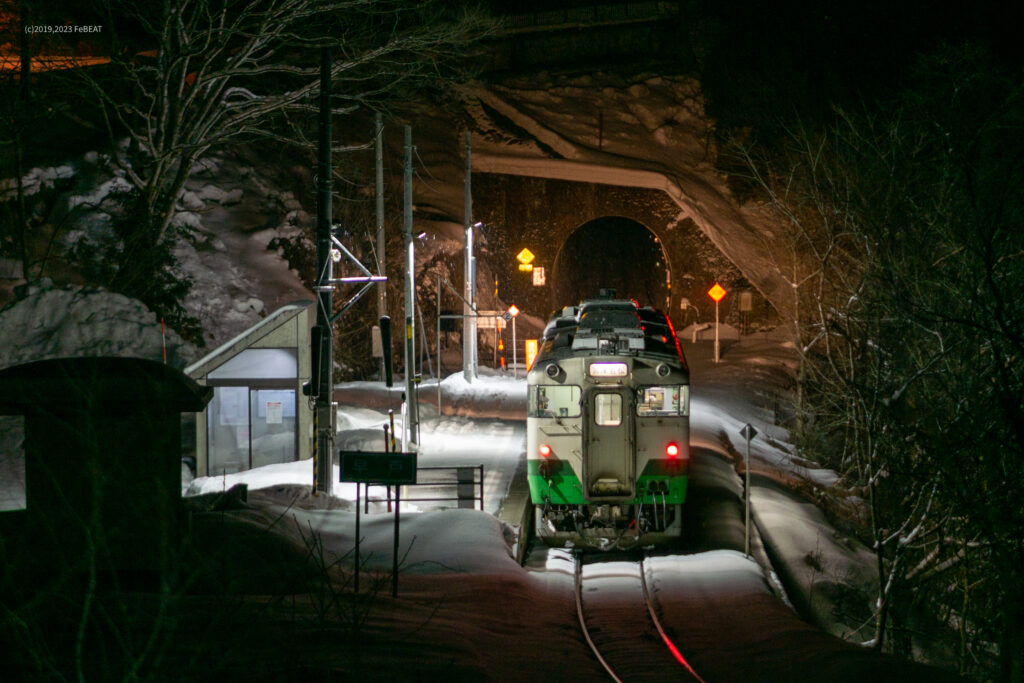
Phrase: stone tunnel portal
[611,252]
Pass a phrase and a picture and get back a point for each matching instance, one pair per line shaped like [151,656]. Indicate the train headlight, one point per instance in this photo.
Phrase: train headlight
[663,369]
[545,450]
[553,370]
[672,451]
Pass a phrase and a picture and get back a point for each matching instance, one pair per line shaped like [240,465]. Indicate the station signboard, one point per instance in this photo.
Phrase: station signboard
[378,467]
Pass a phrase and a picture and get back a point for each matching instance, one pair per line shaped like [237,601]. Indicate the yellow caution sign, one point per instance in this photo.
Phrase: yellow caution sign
[525,256]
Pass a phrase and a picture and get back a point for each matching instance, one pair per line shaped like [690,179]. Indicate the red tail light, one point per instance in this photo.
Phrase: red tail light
[672,451]
[545,450]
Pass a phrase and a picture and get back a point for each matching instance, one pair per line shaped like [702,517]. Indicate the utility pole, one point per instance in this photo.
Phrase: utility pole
[382,293]
[748,432]
[409,430]
[469,306]
[323,464]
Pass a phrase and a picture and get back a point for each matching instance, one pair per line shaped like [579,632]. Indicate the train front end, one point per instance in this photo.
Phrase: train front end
[608,431]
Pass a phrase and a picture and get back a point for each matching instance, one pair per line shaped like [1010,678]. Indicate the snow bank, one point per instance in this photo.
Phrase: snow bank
[51,322]
[829,576]
[487,395]
[35,180]
[490,395]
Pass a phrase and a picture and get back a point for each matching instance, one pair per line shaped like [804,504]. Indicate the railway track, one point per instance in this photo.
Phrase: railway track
[621,626]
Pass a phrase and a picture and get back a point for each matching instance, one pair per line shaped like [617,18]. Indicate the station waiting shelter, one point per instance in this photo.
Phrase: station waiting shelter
[258,414]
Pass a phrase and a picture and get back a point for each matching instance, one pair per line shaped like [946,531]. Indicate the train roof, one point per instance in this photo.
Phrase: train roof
[601,326]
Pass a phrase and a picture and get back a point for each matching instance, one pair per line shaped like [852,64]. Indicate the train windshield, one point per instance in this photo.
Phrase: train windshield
[554,401]
[661,401]
[605,319]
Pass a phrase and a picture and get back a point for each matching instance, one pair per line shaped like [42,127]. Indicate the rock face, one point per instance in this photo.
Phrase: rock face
[633,134]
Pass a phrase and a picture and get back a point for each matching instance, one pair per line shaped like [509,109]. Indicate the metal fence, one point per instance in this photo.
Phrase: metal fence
[467,482]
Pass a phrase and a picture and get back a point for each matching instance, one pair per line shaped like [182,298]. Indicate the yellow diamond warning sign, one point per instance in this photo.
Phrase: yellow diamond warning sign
[717,292]
[525,256]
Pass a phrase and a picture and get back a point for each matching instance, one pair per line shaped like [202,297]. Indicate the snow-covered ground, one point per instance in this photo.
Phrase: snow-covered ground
[474,611]
[460,564]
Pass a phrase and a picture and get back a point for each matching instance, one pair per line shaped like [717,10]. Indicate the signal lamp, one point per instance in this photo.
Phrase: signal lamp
[672,451]
[545,450]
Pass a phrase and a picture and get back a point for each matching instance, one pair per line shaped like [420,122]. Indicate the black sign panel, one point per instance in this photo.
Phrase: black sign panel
[378,467]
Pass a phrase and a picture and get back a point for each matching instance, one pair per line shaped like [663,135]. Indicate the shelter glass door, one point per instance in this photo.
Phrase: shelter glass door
[250,427]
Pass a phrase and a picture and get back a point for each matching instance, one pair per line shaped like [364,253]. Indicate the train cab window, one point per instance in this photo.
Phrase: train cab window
[608,410]
[663,401]
[554,401]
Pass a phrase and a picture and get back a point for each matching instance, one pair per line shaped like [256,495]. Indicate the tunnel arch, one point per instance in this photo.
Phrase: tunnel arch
[540,215]
[615,252]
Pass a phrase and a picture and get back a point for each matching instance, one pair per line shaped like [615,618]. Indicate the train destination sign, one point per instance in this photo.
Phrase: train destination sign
[378,467]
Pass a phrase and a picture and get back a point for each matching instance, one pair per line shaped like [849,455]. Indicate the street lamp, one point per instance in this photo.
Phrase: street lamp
[716,293]
[469,351]
[513,312]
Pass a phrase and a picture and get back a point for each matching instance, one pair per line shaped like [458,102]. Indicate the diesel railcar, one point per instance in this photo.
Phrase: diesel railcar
[608,437]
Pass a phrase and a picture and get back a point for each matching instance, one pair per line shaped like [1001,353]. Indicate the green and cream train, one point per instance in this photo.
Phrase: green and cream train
[608,436]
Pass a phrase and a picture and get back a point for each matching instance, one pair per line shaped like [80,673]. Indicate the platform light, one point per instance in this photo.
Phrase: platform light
[608,370]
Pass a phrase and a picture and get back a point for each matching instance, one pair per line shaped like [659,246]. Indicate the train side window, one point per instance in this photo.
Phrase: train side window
[659,401]
[608,410]
[554,401]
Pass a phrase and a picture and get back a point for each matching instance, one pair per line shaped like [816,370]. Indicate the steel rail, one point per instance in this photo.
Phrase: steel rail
[646,597]
[583,621]
[657,624]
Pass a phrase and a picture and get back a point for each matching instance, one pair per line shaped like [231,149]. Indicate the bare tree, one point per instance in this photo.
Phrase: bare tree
[907,219]
[188,76]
